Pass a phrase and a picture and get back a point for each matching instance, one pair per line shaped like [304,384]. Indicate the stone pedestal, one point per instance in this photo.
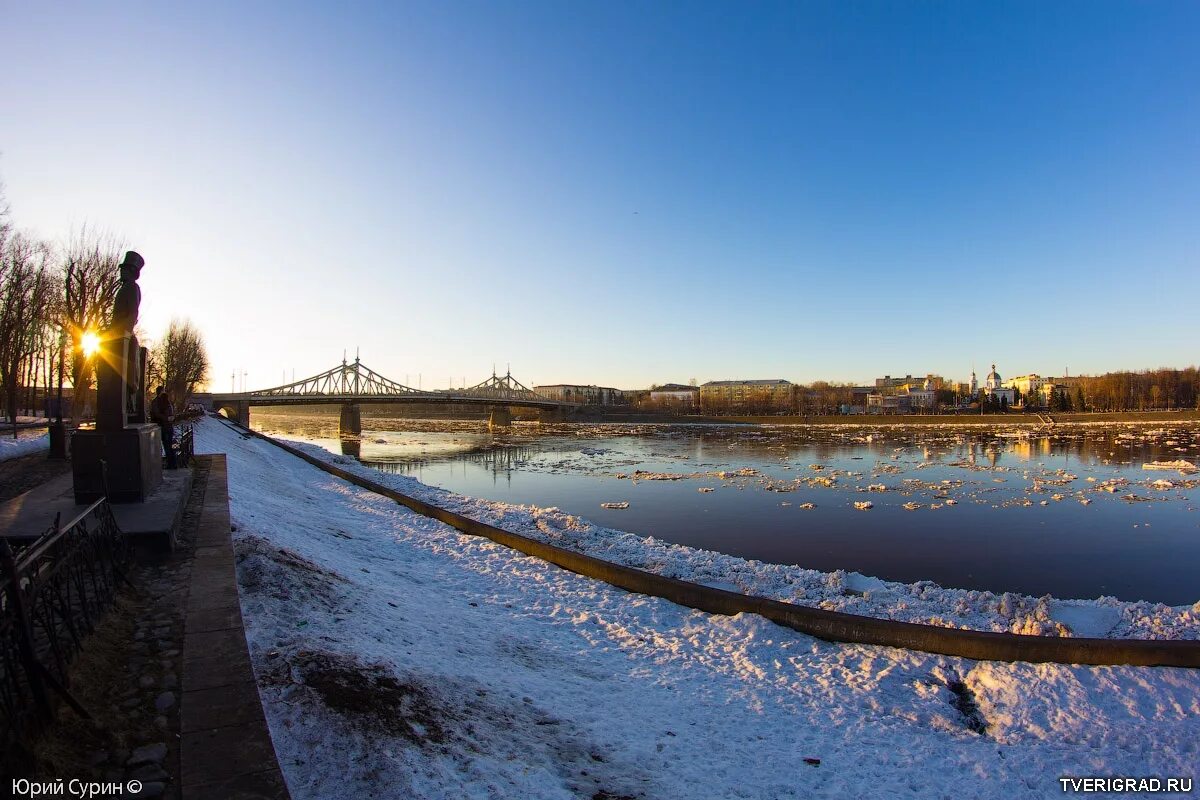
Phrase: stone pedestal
[132,457]
[138,413]
[58,440]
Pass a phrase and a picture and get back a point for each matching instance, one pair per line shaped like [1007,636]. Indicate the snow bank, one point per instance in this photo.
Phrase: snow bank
[396,657]
[12,448]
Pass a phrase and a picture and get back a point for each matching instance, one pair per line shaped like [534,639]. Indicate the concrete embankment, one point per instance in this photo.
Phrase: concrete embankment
[828,625]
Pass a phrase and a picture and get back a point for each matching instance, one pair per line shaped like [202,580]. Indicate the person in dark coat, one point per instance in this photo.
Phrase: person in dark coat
[162,412]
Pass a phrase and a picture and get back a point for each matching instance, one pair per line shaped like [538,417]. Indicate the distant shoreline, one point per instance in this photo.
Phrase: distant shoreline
[878,420]
[599,414]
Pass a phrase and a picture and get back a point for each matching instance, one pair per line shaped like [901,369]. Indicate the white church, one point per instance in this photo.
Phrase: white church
[993,387]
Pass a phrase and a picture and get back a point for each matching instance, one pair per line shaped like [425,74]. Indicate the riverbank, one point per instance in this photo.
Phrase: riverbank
[398,657]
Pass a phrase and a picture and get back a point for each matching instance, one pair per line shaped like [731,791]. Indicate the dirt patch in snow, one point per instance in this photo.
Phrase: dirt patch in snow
[370,697]
[283,574]
[462,722]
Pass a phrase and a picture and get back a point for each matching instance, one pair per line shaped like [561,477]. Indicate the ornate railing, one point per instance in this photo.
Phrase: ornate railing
[52,594]
[186,446]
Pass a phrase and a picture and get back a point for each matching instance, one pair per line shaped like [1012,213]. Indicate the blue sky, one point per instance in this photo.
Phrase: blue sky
[628,193]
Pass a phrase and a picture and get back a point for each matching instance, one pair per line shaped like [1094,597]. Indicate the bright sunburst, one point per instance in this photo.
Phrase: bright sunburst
[89,343]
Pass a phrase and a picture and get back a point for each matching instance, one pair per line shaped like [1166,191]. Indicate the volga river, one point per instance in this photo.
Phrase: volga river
[1070,512]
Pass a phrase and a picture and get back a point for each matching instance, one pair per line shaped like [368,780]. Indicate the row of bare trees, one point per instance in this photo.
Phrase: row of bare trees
[51,297]
[28,296]
[1157,389]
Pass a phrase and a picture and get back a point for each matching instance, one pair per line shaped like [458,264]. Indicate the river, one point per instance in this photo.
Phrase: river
[1069,512]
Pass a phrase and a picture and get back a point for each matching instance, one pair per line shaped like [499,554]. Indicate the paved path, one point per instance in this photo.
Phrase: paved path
[225,746]
[22,473]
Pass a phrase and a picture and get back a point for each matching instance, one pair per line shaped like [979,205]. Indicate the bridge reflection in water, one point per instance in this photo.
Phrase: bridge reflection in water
[499,459]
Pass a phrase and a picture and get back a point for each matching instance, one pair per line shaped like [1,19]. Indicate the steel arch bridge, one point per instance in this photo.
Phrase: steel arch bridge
[352,383]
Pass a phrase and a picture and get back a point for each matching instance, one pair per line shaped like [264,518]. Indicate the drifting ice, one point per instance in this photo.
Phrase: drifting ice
[1181,465]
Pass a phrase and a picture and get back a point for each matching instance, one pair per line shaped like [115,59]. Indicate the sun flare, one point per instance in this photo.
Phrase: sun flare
[89,343]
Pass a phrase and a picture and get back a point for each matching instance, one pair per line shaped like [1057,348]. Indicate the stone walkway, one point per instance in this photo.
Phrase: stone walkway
[20,474]
[225,746]
[127,676]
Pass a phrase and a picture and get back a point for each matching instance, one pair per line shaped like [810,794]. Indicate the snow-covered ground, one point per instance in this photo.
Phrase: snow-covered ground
[397,657]
[23,445]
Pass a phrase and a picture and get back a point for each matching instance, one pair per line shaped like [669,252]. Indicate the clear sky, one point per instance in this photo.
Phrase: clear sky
[626,193]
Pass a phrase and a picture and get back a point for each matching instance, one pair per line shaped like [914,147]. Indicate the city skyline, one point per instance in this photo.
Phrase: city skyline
[626,196]
[238,380]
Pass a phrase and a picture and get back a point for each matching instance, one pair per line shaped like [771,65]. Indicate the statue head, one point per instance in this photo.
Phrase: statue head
[131,266]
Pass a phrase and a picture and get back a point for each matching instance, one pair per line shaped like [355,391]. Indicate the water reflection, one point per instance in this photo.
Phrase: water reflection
[1068,511]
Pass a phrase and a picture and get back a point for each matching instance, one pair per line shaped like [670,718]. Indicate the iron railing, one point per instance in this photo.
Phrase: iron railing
[186,445]
[52,594]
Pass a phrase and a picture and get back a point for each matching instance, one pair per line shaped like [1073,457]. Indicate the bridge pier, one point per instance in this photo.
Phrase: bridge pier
[351,421]
[238,412]
[501,417]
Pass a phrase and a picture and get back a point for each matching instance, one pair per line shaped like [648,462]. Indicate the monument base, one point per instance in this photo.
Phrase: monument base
[58,440]
[130,459]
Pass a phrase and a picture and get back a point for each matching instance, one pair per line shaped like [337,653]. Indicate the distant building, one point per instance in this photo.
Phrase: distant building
[587,394]
[858,399]
[880,403]
[993,387]
[1035,390]
[676,394]
[922,398]
[747,395]
[1066,382]
[889,385]
[919,394]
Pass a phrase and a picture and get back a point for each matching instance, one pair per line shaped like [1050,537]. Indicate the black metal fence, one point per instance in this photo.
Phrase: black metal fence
[52,594]
[187,446]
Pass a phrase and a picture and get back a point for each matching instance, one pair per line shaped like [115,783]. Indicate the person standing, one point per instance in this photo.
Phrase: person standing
[163,413]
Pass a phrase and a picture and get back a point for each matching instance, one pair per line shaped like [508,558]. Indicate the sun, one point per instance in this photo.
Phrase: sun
[89,343]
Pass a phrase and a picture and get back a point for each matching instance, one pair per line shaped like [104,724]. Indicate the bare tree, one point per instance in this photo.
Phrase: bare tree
[26,303]
[179,361]
[5,223]
[90,281]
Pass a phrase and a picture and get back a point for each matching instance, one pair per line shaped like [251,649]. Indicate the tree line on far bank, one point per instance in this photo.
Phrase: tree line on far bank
[1163,389]
[51,298]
